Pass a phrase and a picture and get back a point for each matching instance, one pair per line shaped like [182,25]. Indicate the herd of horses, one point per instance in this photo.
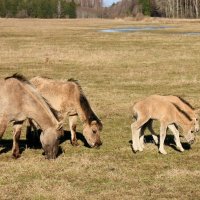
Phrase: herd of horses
[46,103]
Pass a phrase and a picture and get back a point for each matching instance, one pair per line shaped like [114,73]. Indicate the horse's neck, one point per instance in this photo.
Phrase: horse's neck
[181,119]
[81,113]
[187,109]
[42,118]
[39,110]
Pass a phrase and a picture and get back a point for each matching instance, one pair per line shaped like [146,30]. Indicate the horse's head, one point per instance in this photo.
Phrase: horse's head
[50,142]
[189,130]
[91,133]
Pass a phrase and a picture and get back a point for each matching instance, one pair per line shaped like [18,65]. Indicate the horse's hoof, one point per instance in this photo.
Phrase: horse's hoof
[163,152]
[75,143]
[134,150]
[180,149]
[140,149]
[15,156]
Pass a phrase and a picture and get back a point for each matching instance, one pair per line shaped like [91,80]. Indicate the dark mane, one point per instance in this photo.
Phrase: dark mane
[45,77]
[85,105]
[19,77]
[185,102]
[182,112]
[74,81]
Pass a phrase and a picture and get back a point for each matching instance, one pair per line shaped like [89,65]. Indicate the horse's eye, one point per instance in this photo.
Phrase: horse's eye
[94,131]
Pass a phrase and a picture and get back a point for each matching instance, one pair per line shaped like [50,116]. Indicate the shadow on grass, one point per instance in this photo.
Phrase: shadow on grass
[6,145]
[169,141]
[33,142]
[79,136]
[33,139]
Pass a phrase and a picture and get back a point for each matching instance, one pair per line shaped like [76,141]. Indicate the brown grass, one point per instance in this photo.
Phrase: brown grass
[114,69]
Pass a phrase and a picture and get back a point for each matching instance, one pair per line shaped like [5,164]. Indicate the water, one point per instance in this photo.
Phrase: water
[135,29]
[146,28]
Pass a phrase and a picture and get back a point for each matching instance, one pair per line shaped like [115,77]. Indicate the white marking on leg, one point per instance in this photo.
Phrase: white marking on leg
[163,129]
[176,137]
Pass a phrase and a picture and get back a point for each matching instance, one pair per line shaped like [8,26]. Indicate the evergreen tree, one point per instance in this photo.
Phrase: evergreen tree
[37,8]
[71,9]
[146,7]
[2,8]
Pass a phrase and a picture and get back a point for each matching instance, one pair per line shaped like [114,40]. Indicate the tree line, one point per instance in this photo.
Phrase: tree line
[94,8]
[176,8]
[38,8]
[158,8]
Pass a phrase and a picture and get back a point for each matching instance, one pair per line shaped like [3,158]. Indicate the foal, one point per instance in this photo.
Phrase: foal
[156,107]
[185,107]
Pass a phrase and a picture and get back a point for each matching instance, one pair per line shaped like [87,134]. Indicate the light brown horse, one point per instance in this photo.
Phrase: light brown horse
[158,108]
[68,99]
[185,107]
[19,101]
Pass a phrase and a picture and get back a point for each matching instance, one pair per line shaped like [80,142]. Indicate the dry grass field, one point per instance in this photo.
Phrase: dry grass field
[115,70]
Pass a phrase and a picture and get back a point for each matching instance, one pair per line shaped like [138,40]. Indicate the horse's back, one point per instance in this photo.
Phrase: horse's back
[60,94]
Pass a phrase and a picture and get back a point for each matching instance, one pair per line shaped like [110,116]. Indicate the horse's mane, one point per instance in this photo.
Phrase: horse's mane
[85,104]
[185,102]
[23,79]
[45,77]
[19,77]
[182,112]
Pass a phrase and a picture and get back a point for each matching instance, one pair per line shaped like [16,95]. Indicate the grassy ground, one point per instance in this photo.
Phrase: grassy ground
[114,69]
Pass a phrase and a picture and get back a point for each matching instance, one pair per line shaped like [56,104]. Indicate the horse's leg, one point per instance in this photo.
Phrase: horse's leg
[176,137]
[136,128]
[154,135]
[72,126]
[143,128]
[16,136]
[135,138]
[163,129]
[142,138]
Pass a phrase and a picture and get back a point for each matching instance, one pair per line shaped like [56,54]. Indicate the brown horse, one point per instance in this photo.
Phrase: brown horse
[19,101]
[68,99]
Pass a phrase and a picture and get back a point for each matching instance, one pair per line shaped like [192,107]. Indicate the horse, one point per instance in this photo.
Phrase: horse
[185,107]
[155,107]
[20,101]
[69,100]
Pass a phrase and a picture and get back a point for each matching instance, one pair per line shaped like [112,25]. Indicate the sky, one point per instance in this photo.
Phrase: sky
[109,2]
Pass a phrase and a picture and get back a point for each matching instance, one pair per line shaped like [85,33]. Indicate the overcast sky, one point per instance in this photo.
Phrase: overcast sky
[109,2]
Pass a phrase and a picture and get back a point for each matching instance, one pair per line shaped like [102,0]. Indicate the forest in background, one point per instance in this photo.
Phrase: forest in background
[95,9]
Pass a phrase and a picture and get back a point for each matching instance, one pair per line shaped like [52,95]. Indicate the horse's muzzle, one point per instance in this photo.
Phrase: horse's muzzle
[97,144]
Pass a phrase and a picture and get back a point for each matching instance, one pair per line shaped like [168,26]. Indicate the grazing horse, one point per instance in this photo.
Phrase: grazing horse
[68,99]
[185,107]
[19,101]
[156,107]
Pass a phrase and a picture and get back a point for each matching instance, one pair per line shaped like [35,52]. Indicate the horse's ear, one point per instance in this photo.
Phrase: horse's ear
[97,123]
[94,122]
[59,125]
